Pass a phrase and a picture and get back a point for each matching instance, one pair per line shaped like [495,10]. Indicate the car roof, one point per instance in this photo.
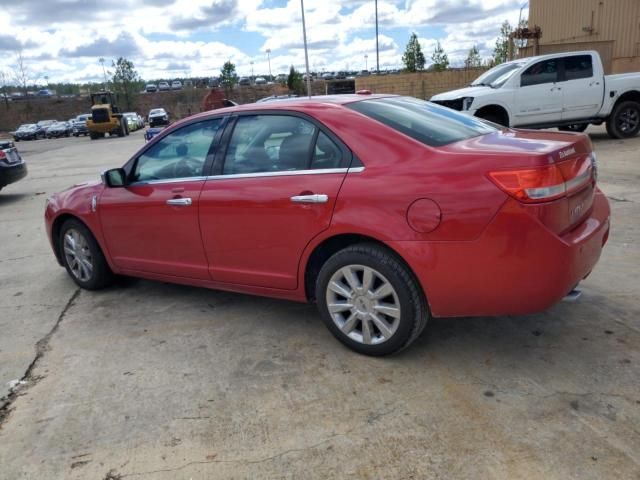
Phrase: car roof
[298,103]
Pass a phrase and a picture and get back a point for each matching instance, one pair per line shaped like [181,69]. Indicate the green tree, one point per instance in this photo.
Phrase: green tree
[228,76]
[501,50]
[440,59]
[473,59]
[294,81]
[126,81]
[413,57]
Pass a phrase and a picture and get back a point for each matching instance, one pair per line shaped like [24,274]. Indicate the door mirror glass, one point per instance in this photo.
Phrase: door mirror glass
[114,178]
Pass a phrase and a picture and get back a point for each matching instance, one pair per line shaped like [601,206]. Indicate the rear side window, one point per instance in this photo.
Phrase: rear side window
[423,121]
[577,67]
[539,73]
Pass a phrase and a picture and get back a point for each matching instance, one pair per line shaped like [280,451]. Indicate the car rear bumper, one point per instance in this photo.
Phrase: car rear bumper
[517,266]
[12,173]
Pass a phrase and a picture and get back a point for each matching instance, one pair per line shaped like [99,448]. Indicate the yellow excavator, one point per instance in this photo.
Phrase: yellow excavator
[106,117]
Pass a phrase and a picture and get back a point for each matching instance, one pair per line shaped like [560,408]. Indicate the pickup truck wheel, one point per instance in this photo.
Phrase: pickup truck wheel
[624,121]
[492,117]
[577,127]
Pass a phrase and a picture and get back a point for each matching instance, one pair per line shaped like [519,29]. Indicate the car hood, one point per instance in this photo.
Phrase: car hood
[464,92]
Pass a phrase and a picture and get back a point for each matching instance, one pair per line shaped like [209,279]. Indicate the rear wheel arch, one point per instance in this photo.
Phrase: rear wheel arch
[331,245]
[494,113]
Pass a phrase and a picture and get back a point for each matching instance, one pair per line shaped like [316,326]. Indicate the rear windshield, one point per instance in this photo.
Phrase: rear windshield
[423,121]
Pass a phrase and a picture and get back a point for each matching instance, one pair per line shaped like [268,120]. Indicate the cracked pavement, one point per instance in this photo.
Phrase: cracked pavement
[157,381]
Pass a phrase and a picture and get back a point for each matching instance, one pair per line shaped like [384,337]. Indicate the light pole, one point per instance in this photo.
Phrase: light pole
[365,61]
[269,60]
[306,54]
[377,48]
[104,73]
[251,70]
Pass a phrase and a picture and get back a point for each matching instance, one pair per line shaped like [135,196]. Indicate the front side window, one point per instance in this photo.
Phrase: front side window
[577,67]
[278,143]
[539,73]
[423,121]
[181,154]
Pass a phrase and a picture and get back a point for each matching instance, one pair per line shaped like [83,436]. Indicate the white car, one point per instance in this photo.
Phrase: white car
[564,90]
[163,86]
[176,85]
[158,116]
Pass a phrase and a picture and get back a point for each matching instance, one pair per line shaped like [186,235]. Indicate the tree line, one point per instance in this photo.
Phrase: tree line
[414,60]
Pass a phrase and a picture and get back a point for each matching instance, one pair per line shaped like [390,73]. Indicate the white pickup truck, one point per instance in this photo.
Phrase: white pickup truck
[564,90]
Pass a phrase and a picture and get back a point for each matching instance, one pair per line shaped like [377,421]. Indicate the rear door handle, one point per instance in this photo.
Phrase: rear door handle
[179,202]
[314,198]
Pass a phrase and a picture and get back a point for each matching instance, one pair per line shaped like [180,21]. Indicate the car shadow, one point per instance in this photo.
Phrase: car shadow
[9,198]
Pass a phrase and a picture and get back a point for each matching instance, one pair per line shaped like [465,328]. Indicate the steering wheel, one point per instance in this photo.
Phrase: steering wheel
[187,167]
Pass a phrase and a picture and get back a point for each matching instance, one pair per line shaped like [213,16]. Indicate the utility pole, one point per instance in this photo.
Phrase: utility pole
[365,61]
[306,54]
[377,47]
[269,60]
[104,73]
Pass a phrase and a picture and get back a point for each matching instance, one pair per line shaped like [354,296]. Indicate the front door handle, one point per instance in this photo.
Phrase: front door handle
[179,202]
[314,198]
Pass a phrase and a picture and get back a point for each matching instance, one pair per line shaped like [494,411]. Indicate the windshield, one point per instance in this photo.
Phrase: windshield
[423,121]
[497,76]
[156,111]
[27,126]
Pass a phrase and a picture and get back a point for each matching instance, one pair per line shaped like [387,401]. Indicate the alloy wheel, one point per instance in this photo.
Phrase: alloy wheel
[363,304]
[78,255]
[629,119]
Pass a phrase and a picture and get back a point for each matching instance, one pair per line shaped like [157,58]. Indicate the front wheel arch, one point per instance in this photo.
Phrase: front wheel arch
[495,114]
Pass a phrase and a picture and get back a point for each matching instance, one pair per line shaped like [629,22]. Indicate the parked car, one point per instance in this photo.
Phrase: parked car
[382,230]
[564,90]
[132,121]
[328,76]
[59,129]
[281,78]
[176,85]
[79,125]
[44,124]
[158,116]
[163,86]
[151,88]
[45,92]
[28,131]
[12,166]
[244,81]
[260,81]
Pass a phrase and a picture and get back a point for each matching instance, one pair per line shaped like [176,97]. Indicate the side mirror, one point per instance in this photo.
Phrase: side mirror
[114,178]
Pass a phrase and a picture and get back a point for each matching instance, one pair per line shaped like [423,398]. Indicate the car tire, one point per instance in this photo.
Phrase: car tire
[82,256]
[624,121]
[368,322]
[577,127]
[16,139]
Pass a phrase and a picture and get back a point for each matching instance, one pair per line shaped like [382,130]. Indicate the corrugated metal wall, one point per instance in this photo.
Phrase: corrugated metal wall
[591,21]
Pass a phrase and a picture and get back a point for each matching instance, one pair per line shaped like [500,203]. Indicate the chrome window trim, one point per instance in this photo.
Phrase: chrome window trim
[167,180]
[286,173]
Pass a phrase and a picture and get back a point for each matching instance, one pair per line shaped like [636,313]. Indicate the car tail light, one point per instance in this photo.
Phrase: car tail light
[541,184]
[2,155]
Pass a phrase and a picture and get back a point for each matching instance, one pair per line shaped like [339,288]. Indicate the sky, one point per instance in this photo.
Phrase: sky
[63,40]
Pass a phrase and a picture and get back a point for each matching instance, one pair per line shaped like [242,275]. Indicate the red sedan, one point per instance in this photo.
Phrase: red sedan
[384,210]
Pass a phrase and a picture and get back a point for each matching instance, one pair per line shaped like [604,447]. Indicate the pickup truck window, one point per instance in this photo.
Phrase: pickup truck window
[578,66]
[497,76]
[545,71]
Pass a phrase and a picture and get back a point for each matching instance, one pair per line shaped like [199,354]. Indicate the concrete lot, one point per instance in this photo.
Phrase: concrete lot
[150,380]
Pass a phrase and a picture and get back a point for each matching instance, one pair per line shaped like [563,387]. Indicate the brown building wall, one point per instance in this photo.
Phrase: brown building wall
[612,27]
[420,85]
